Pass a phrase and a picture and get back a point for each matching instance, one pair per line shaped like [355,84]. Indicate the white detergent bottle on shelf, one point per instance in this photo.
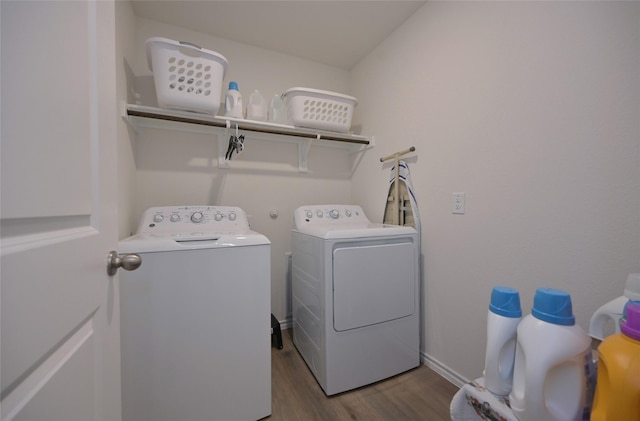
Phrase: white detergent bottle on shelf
[277,111]
[257,107]
[233,101]
[503,318]
[606,320]
[553,377]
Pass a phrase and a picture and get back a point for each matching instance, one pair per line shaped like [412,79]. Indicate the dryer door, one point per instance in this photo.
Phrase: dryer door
[373,283]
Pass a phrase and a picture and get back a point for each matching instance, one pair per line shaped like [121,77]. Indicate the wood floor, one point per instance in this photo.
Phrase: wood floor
[419,394]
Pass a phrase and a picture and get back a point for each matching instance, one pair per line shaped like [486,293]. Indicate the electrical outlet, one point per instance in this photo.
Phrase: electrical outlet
[458,203]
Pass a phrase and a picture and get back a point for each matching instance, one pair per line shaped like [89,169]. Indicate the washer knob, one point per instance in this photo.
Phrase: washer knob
[218,216]
[174,217]
[158,218]
[333,213]
[348,213]
[309,214]
[232,216]
[319,213]
[197,217]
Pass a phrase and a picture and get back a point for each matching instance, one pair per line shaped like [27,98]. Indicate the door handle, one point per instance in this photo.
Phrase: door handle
[127,262]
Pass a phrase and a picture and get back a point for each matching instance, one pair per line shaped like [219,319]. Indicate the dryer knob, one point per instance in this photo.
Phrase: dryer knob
[174,218]
[319,213]
[197,217]
[334,214]
[158,218]
[309,214]
[232,216]
[218,216]
[348,213]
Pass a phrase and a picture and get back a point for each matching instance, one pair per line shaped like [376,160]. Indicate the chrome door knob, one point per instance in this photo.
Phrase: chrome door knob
[127,262]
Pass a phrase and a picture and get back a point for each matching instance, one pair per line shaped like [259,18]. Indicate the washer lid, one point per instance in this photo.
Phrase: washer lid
[145,243]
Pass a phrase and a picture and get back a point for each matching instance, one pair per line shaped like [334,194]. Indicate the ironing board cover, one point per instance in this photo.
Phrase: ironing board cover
[409,215]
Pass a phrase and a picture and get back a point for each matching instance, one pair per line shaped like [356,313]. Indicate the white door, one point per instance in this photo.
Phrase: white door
[59,351]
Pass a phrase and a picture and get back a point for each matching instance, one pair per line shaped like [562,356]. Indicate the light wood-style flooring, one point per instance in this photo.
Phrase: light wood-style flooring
[419,394]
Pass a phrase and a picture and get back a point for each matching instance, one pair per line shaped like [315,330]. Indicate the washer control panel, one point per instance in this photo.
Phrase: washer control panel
[193,220]
[329,215]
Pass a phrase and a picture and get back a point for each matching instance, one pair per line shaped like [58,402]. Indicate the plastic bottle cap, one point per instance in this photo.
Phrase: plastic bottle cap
[632,287]
[553,306]
[233,86]
[631,327]
[505,302]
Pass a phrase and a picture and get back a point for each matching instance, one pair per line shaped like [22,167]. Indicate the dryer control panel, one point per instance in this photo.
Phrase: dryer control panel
[176,220]
[329,215]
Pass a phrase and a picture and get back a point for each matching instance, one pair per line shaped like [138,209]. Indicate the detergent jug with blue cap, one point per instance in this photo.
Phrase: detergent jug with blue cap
[233,101]
[554,377]
[503,318]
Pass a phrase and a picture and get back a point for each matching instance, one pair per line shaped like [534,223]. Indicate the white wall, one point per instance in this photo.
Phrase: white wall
[178,168]
[532,109]
[125,92]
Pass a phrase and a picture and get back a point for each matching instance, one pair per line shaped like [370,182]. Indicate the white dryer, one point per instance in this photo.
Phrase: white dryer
[355,296]
[195,317]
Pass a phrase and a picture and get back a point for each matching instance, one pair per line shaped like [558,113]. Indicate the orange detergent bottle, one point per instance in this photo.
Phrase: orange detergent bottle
[618,386]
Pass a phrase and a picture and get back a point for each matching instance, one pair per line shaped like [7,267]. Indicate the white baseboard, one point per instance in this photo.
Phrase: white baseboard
[446,372]
[286,323]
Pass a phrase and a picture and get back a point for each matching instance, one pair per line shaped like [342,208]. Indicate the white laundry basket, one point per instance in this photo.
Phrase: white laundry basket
[186,77]
[474,402]
[318,109]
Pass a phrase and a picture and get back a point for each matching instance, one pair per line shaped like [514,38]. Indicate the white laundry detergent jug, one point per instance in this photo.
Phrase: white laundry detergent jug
[257,107]
[277,110]
[502,323]
[233,101]
[606,320]
[554,376]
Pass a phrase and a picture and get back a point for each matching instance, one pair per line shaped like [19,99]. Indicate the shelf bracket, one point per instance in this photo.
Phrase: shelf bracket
[304,146]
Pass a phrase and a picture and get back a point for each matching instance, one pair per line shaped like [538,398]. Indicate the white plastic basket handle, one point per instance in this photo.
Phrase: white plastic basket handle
[191,50]
[188,44]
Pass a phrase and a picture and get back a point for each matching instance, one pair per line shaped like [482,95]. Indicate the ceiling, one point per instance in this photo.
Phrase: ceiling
[336,33]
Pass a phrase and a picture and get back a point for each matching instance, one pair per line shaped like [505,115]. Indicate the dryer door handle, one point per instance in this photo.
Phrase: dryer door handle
[127,262]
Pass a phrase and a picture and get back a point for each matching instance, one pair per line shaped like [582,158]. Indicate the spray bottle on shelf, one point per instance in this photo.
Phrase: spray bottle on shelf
[503,318]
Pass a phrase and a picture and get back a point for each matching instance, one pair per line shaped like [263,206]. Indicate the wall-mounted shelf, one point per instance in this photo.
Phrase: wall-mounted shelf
[140,116]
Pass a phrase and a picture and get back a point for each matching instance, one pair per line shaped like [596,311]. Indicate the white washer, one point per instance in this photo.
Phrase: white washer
[355,296]
[195,317]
